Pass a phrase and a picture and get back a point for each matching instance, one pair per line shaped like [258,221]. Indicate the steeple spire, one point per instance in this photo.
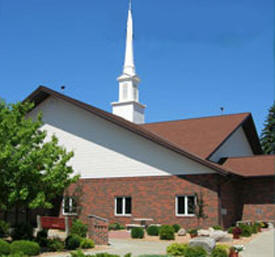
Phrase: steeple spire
[128,105]
[129,66]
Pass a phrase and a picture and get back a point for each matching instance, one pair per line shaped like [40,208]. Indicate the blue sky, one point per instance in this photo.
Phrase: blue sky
[193,56]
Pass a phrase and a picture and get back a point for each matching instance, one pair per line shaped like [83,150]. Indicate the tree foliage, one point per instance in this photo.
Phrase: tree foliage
[33,167]
[268,133]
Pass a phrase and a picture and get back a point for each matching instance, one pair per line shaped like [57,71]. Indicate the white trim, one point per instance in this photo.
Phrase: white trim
[123,206]
[186,214]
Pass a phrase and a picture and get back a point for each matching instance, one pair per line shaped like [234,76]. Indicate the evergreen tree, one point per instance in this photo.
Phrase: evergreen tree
[33,167]
[268,133]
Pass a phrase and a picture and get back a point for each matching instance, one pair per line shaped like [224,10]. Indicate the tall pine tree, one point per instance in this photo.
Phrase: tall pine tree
[268,133]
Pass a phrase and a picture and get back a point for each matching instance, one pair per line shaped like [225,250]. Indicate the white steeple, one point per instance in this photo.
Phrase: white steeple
[128,106]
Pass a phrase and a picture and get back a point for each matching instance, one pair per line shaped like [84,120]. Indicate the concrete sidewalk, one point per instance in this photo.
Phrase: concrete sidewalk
[261,246]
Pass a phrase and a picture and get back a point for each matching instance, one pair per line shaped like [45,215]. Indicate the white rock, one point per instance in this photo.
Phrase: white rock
[218,235]
[206,242]
[203,232]
[182,232]
[211,229]
[270,225]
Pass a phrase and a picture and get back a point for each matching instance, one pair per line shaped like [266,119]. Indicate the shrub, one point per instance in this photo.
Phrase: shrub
[196,251]
[55,244]
[41,238]
[72,242]
[217,227]
[18,254]
[153,255]
[167,232]
[26,247]
[230,230]
[116,226]
[176,249]
[176,227]
[246,230]
[23,231]
[220,251]
[79,228]
[193,232]
[137,232]
[78,253]
[106,255]
[4,228]
[4,247]
[153,230]
[87,243]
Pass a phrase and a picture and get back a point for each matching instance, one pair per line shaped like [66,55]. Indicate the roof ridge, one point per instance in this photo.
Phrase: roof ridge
[198,118]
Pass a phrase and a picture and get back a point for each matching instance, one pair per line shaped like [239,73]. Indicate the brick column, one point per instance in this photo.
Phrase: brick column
[98,230]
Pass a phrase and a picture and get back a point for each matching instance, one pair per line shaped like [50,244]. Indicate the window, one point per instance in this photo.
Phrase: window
[69,205]
[185,205]
[123,206]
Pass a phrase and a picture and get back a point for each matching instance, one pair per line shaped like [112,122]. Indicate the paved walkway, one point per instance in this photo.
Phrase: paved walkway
[136,247]
[261,246]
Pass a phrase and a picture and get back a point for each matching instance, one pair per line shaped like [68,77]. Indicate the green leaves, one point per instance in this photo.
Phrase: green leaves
[268,133]
[33,170]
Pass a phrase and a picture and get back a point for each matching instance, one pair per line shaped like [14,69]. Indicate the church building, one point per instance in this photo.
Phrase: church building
[131,169]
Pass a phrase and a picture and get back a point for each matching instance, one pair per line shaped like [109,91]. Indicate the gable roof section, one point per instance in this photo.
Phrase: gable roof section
[204,136]
[42,93]
[252,166]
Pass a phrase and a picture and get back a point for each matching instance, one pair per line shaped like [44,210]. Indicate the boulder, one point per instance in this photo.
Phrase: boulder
[218,235]
[270,225]
[182,232]
[203,232]
[205,242]
[211,229]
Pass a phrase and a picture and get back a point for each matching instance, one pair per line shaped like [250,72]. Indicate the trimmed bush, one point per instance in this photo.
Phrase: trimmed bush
[153,230]
[230,230]
[153,255]
[55,245]
[72,242]
[219,251]
[4,247]
[116,226]
[167,232]
[87,243]
[217,227]
[246,230]
[137,232]
[4,228]
[23,231]
[26,247]
[195,252]
[41,238]
[176,227]
[176,249]
[79,228]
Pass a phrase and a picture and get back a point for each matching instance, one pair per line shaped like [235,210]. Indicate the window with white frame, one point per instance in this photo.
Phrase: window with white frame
[185,205]
[123,206]
[69,205]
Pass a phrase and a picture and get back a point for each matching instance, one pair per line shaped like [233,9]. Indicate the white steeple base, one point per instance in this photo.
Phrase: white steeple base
[130,110]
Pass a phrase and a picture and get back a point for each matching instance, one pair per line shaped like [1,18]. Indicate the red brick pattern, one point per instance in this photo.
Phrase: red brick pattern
[98,230]
[259,199]
[152,197]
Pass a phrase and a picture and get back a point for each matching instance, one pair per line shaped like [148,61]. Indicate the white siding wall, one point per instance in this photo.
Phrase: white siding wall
[103,149]
[236,145]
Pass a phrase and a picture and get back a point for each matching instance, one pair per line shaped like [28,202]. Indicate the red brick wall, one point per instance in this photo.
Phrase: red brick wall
[258,199]
[152,197]
[231,201]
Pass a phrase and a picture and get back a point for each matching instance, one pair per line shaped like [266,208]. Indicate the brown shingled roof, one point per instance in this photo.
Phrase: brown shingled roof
[252,166]
[203,136]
